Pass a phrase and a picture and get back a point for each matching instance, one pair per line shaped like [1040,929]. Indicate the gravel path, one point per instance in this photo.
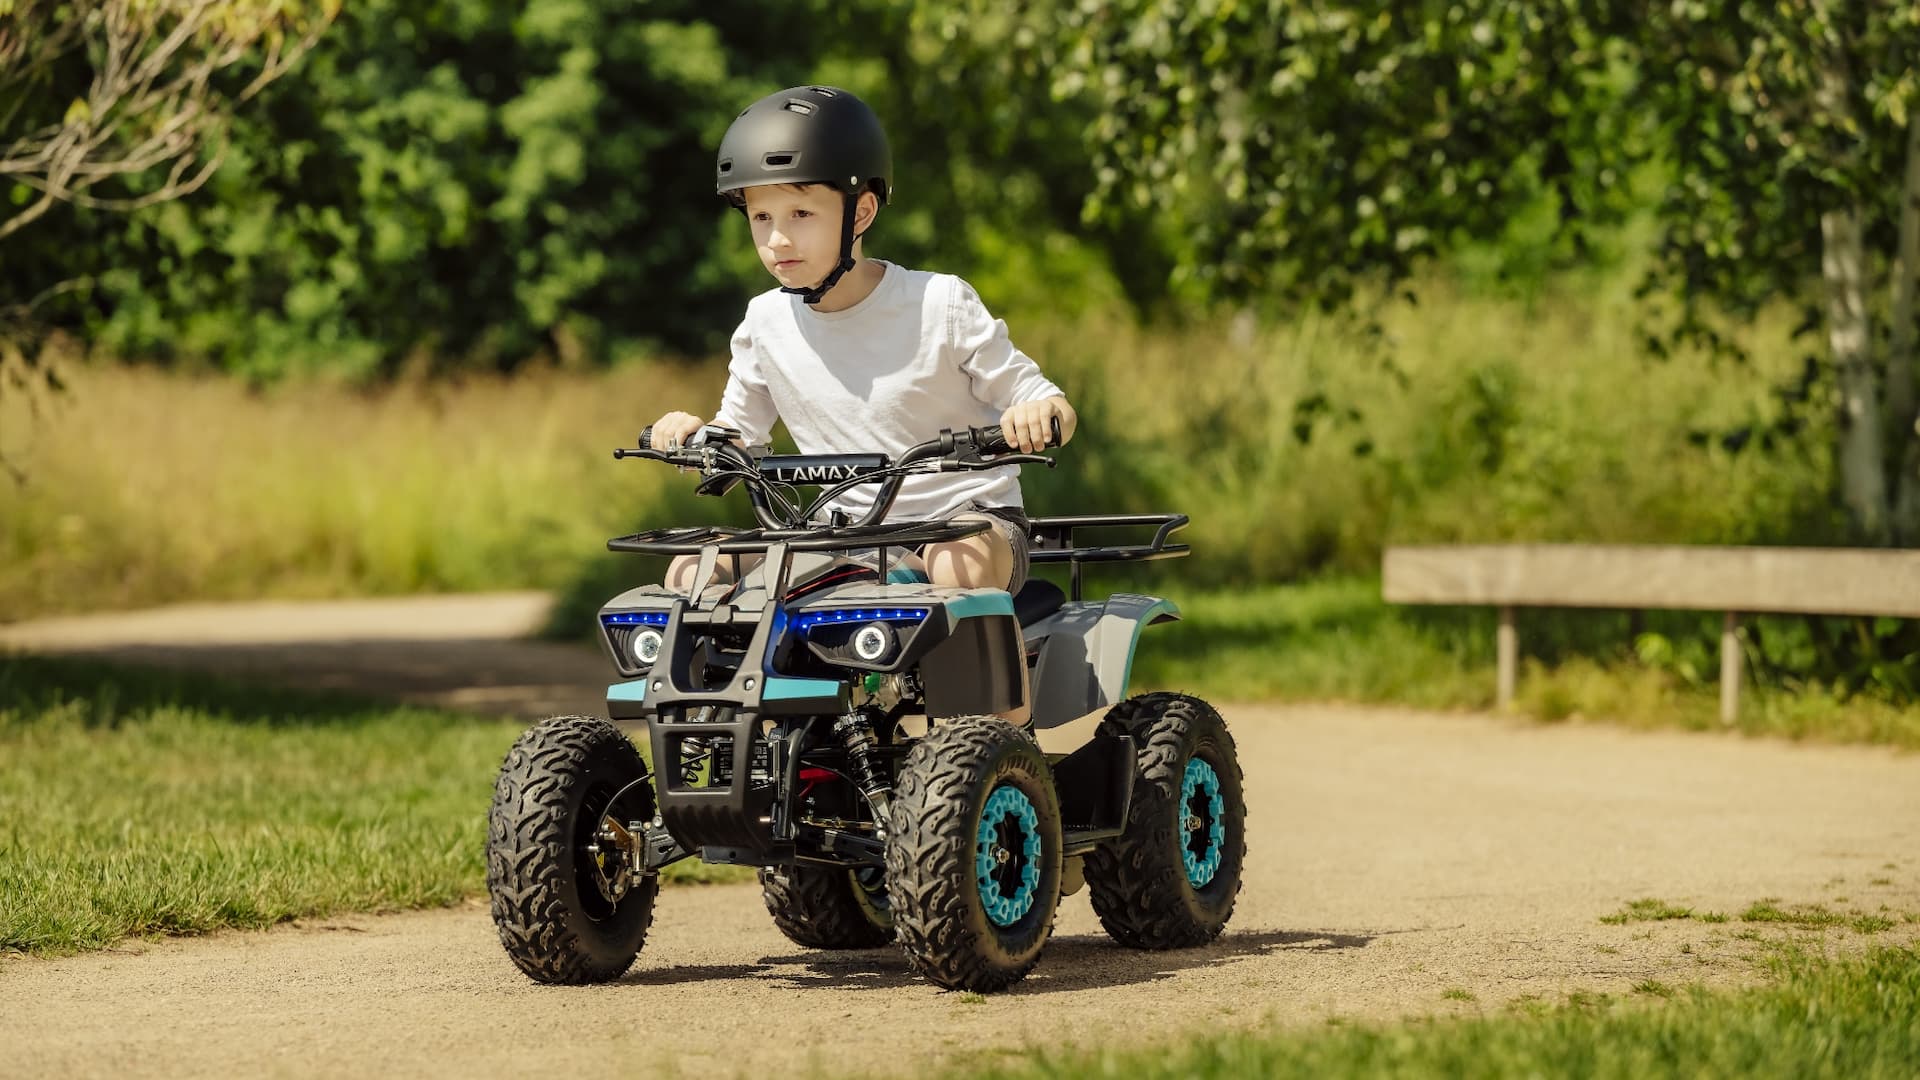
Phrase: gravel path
[1396,857]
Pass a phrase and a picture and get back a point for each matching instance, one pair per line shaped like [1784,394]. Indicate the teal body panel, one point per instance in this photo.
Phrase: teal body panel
[988,603]
[777,688]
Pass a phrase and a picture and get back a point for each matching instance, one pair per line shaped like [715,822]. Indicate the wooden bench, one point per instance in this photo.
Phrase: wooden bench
[1734,580]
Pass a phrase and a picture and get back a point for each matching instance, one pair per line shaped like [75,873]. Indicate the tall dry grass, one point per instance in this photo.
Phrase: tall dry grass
[1305,447]
[1470,418]
[144,487]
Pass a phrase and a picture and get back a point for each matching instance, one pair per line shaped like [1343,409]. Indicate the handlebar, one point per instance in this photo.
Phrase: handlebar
[723,463]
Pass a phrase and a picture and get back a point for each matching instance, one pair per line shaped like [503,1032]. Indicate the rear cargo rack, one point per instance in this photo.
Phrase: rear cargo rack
[1053,541]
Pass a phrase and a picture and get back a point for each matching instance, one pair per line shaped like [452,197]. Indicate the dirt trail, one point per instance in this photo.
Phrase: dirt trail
[1395,856]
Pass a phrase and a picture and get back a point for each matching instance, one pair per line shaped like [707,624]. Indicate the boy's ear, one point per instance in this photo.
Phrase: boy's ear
[864,211]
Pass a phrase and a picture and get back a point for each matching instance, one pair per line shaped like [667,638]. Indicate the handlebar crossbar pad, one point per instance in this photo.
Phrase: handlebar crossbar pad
[820,468]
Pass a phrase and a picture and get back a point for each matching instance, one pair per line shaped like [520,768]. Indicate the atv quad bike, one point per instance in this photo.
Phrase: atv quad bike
[829,719]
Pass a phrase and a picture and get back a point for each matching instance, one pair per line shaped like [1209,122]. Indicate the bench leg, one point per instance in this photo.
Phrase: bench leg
[1507,648]
[1730,670]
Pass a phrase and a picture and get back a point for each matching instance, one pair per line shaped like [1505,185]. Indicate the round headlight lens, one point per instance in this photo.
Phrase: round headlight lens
[872,642]
[646,646]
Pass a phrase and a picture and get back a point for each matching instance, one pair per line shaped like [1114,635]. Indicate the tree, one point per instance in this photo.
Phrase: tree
[1797,161]
[121,104]
[154,103]
[1304,147]
[1301,148]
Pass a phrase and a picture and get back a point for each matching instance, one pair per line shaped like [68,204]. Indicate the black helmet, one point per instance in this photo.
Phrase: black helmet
[808,134]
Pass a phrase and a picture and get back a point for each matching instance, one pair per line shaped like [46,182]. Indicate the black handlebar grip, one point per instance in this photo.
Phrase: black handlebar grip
[992,440]
[646,437]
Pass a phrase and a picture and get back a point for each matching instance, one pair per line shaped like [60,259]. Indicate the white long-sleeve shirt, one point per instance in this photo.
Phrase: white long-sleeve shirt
[919,354]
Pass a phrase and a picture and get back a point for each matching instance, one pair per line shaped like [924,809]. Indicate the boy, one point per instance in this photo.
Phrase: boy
[870,356]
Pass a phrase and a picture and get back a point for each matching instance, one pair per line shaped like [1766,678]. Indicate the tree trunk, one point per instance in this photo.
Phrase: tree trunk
[1863,476]
[1862,450]
[1903,367]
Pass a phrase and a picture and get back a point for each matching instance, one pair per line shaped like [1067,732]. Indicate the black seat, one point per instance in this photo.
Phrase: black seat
[1036,600]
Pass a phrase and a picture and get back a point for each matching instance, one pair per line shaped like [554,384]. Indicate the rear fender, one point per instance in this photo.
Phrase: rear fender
[1086,654]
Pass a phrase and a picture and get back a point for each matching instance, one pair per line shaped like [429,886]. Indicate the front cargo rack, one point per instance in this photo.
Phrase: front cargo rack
[728,540]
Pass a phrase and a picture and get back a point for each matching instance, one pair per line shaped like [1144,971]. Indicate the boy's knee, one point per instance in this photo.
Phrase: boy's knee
[681,570]
[983,561]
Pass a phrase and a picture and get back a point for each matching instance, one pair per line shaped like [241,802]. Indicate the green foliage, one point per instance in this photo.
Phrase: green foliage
[1300,151]
[474,182]
[472,178]
[1877,656]
[1770,116]
[142,802]
[1853,1017]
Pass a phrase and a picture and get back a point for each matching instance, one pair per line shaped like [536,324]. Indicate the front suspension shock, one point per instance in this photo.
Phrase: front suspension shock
[856,734]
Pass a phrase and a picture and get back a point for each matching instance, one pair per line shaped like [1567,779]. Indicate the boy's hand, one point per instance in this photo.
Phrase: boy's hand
[1029,424]
[672,431]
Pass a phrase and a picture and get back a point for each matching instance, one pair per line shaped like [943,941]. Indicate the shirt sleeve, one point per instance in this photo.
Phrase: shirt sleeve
[746,405]
[1001,374]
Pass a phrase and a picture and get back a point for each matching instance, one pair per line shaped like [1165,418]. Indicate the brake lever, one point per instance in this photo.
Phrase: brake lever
[976,463]
[1023,459]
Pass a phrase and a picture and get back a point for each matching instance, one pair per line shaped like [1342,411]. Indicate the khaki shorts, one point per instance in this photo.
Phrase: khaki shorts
[1010,522]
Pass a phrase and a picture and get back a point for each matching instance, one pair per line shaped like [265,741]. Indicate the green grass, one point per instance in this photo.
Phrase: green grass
[1854,1017]
[1647,910]
[1802,916]
[136,803]
[1815,917]
[1336,640]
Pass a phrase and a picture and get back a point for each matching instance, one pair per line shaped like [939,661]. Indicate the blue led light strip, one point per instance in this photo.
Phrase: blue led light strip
[836,616]
[636,618]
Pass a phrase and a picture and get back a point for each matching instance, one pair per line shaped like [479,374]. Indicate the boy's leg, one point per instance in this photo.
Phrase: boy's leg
[981,561]
[984,560]
[681,570]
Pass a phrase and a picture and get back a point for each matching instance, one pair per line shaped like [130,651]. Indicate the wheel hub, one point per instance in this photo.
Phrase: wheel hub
[612,852]
[1007,855]
[1203,822]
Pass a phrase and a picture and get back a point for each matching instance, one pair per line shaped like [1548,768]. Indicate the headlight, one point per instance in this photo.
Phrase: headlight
[646,646]
[872,642]
[634,637]
[864,636]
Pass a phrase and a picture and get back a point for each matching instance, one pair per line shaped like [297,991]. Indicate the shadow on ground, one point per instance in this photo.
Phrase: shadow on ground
[1078,962]
[323,681]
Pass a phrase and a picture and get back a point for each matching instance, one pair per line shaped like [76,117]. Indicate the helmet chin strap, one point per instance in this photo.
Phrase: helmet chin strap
[813,295]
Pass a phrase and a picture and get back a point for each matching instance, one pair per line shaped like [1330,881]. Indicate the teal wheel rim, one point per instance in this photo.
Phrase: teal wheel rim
[1006,860]
[1202,827]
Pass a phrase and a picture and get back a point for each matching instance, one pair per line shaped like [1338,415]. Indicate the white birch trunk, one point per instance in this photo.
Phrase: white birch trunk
[1903,367]
[1863,473]
[1863,481]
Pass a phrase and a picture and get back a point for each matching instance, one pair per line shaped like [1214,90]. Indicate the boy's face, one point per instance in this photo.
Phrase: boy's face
[796,230]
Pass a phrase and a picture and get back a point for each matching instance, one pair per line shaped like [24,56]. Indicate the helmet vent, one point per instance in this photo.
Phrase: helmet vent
[794,105]
[726,166]
[785,159]
[823,91]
